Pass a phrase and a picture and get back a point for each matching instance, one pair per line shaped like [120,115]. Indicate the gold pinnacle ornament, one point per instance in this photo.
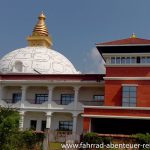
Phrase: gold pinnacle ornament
[40,36]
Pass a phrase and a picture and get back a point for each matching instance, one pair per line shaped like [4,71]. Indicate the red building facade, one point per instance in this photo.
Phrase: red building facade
[126,108]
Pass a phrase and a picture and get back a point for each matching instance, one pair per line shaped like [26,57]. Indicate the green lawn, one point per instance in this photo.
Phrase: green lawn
[55,146]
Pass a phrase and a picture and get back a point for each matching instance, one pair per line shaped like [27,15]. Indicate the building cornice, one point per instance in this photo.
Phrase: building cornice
[126,78]
[117,107]
[127,65]
[114,116]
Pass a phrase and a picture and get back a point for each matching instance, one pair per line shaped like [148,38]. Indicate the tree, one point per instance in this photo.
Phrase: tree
[10,136]
[9,125]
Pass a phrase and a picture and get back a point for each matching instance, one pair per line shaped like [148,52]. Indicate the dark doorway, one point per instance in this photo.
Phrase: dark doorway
[120,126]
[33,124]
[43,125]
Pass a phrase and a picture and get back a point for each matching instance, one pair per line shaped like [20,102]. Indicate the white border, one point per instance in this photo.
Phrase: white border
[126,78]
[113,116]
[117,107]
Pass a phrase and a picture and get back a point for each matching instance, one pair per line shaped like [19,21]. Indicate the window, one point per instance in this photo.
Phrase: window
[123,60]
[99,98]
[118,60]
[112,60]
[43,125]
[128,60]
[66,98]
[148,59]
[16,97]
[143,59]
[33,124]
[133,60]
[41,98]
[129,96]
[65,125]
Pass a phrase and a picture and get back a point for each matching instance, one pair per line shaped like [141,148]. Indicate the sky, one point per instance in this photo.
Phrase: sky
[75,26]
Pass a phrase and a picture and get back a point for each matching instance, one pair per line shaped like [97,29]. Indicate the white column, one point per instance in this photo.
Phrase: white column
[23,97]
[21,121]
[48,120]
[74,124]
[76,92]
[38,125]
[50,95]
[1,92]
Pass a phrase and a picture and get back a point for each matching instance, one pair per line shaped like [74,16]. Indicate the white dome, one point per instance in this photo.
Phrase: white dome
[36,60]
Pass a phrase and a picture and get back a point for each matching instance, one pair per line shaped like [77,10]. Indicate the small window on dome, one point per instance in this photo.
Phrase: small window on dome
[18,66]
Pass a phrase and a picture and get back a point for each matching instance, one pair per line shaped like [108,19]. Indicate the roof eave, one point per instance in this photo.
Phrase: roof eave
[100,45]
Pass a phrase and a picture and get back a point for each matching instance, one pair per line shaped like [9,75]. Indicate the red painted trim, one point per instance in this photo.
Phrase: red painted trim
[128,71]
[117,112]
[86,124]
[81,77]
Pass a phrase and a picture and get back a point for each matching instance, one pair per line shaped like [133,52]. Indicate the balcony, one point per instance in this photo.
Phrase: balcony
[92,103]
[32,104]
[58,104]
[10,103]
[63,102]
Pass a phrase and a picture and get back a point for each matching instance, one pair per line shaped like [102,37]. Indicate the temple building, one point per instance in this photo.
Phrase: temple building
[126,106]
[51,94]
[45,86]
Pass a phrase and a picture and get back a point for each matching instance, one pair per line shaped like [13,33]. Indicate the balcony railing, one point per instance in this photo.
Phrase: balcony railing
[62,102]
[92,103]
[34,101]
[11,101]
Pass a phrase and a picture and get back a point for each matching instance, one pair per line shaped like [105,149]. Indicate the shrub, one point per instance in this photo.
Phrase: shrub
[142,139]
[92,138]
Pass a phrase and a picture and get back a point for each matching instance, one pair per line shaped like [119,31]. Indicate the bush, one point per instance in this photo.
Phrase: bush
[107,140]
[11,138]
[31,139]
[142,139]
[92,138]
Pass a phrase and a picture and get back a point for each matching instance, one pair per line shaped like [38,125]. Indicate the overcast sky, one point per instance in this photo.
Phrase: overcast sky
[75,25]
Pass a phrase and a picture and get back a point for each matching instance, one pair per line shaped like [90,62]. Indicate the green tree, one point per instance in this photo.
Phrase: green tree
[9,125]
[10,136]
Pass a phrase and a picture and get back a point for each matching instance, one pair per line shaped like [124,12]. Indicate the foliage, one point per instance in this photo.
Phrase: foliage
[9,124]
[30,139]
[91,138]
[142,139]
[94,138]
[10,136]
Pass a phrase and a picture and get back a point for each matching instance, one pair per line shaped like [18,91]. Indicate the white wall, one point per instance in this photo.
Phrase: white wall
[39,116]
[60,117]
[9,90]
[31,91]
[87,93]
[61,90]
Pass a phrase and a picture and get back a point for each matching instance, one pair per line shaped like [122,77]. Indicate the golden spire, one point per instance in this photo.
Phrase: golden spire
[133,35]
[40,36]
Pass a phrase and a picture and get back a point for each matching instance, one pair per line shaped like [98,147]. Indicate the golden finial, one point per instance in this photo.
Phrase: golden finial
[40,36]
[42,16]
[133,35]
[40,28]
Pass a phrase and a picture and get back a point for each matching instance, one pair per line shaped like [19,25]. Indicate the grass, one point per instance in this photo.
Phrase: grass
[55,146]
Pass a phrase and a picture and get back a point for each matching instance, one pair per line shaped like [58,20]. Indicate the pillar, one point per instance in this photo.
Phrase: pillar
[74,130]
[76,93]
[86,124]
[50,95]
[1,92]
[48,120]
[23,97]
[21,121]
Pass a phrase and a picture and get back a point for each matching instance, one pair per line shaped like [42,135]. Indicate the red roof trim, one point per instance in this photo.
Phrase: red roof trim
[127,41]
